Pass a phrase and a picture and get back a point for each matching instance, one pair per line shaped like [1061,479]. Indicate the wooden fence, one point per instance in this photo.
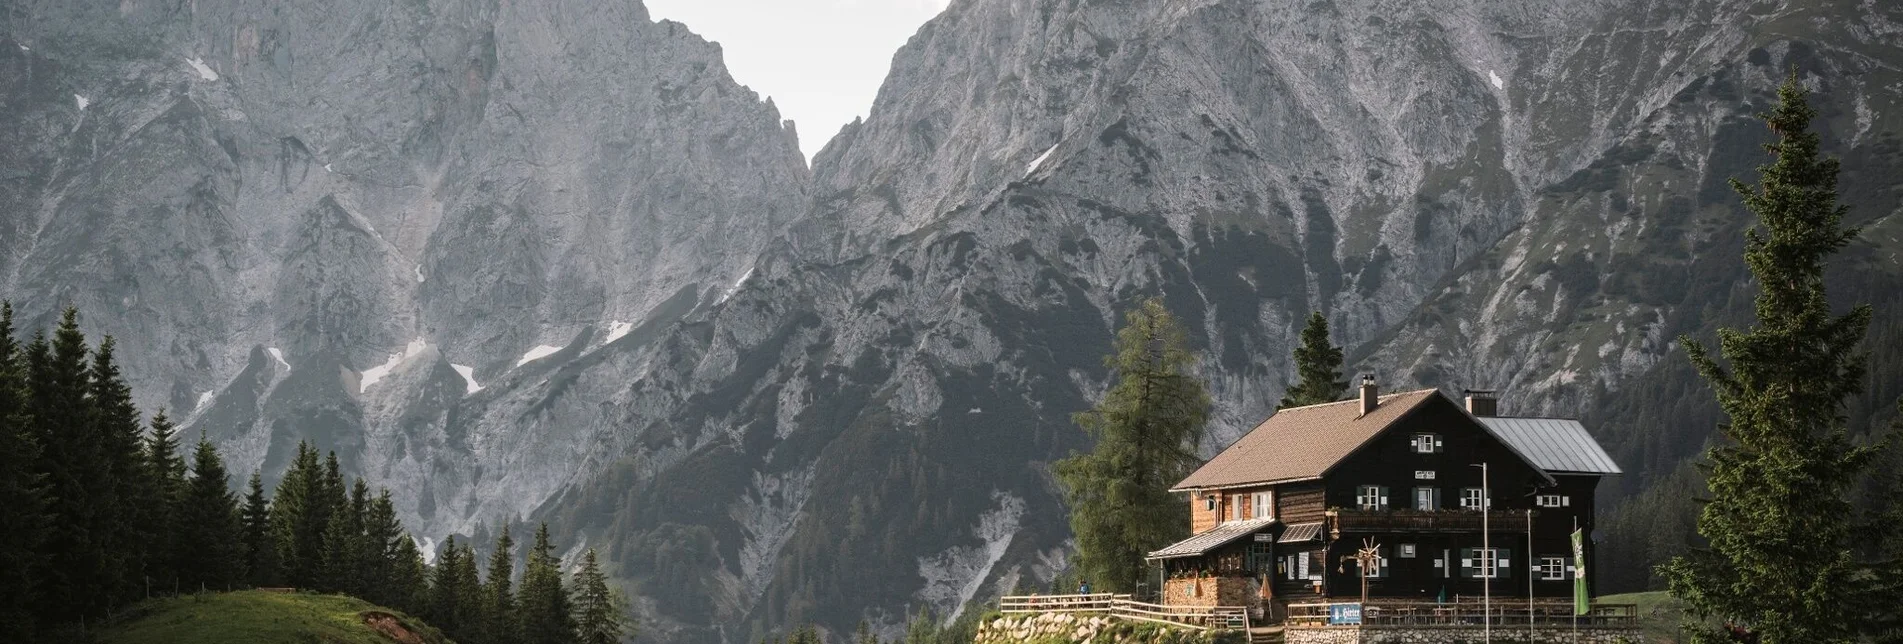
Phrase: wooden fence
[1507,614]
[1121,606]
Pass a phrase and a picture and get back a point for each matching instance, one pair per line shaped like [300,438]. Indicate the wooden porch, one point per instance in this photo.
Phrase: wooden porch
[1465,612]
[1197,618]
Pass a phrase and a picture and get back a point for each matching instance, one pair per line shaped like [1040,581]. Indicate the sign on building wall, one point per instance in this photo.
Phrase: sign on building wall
[1344,614]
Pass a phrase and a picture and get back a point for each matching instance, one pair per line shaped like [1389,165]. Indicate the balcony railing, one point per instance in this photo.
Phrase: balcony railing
[1352,520]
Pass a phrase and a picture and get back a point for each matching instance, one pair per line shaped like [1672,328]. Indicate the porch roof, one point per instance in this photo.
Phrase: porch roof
[1211,539]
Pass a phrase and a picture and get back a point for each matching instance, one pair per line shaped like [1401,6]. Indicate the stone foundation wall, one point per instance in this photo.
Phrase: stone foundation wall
[1455,635]
[1086,628]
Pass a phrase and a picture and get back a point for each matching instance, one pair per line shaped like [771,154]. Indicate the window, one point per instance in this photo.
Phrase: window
[1301,566]
[1553,501]
[1209,503]
[1235,507]
[1427,444]
[1378,568]
[1485,563]
[1472,498]
[1260,557]
[1264,503]
[1427,498]
[1407,551]
[1372,497]
[1552,568]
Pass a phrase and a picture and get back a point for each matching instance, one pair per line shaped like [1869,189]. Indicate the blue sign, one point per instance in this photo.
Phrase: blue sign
[1344,614]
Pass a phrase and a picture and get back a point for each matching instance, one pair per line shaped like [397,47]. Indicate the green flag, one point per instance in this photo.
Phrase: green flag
[1581,604]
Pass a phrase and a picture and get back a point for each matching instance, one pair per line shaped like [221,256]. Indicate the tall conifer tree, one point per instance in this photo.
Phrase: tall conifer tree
[83,575]
[409,579]
[544,601]
[165,472]
[1318,363]
[208,521]
[1146,429]
[132,532]
[598,615]
[22,498]
[1780,562]
[382,532]
[500,623]
[298,515]
[260,551]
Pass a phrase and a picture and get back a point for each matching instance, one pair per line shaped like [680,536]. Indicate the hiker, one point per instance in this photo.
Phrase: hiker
[1084,588]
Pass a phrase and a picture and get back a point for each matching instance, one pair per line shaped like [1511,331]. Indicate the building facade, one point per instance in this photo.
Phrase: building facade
[1451,500]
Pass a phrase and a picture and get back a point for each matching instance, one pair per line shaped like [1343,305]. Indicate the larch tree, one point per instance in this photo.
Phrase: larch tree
[1780,562]
[1318,364]
[1146,429]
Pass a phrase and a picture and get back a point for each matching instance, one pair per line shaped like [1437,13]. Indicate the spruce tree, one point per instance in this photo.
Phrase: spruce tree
[299,514]
[408,588]
[598,614]
[1146,429]
[23,520]
[83,574]
[1780,564]
[1318,363]
[544,602]
[380,554]
[132,533]
[468,594]
[863,634]
[260,551]
[499,612]
[443,596]
[165,472]
[339,555]
[208,522]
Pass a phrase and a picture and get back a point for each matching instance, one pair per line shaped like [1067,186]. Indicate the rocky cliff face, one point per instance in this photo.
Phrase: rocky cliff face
[534,260]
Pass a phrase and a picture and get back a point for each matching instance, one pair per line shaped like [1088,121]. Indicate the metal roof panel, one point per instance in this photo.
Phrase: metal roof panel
[1557,445]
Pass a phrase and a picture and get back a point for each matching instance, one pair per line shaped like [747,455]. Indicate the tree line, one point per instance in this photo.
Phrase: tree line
[99,509]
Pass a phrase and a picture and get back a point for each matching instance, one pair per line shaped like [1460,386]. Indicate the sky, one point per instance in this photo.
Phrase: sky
[821,61]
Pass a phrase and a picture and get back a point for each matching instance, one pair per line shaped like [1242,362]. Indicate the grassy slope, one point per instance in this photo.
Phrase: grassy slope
[262,617]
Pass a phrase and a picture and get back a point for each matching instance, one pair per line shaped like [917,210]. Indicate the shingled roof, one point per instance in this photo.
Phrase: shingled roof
[1301,443]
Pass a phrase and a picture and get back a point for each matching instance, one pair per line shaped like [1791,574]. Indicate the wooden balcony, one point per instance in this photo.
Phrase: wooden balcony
[1347,520]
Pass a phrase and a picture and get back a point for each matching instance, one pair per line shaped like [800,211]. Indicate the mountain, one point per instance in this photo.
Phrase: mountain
[770,395]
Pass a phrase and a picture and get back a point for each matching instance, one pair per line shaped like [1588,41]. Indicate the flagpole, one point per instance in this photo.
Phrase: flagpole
[1529,575]
[1577,571]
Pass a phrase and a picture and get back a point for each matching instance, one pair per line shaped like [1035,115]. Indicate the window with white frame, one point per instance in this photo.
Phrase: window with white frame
[1264,505]
[1372,497]
[1427,498]
[1378,567]
[1406,551]
[1235,507]
[1484,563]
[1427,444]
[1553,501]
[1552,568]
[1473,498]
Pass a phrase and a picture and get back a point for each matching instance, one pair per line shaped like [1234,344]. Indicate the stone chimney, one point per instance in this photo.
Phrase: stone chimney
[1370,395]
[1480,402]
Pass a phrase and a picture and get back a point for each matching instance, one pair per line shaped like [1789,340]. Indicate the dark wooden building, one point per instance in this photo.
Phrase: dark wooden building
[1279,514]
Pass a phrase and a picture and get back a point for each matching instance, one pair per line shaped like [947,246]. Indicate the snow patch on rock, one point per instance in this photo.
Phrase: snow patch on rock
[204,400]
[1039,161]
[956,575]
[204,71]
[278,356]
[1495,78]
[82,101]
[537,353]
[736,285]
[616,329]
[469,378]
[373,374]
[419,273]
